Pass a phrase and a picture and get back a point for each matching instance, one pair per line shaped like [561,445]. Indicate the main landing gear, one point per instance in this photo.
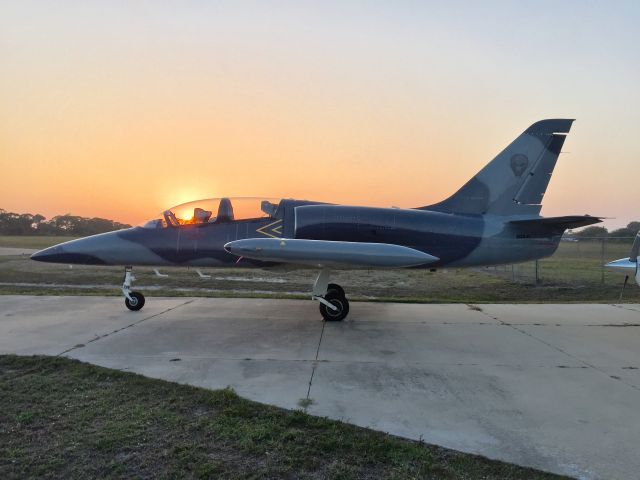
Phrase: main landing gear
[133,300]
[334,305]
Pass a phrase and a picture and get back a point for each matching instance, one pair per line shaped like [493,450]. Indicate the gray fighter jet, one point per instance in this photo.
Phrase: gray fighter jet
[493,219]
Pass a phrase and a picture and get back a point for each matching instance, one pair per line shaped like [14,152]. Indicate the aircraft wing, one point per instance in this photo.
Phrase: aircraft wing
[328,253]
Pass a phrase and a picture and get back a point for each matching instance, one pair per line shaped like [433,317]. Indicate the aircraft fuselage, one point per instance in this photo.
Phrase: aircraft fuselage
[457,240]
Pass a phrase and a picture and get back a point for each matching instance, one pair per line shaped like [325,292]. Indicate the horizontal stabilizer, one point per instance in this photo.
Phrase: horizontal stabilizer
[562,223]
[329,253]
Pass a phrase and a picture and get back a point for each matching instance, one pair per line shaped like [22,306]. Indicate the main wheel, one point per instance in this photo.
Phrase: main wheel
[336,288]
[136,302]
[341,304]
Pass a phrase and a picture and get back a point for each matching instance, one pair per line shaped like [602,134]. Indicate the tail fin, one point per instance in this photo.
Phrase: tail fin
[515,181]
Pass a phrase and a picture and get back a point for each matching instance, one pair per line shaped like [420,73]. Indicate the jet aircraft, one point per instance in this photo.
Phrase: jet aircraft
[492,219]
[628,266]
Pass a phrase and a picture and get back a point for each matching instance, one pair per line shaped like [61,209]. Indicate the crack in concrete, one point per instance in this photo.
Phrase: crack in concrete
[100,337]
[393,364]
[315,360]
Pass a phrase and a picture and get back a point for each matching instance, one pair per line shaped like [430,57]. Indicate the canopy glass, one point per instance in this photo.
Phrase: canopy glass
[215,210]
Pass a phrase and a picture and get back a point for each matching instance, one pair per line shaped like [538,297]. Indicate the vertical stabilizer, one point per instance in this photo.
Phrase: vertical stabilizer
[515,181]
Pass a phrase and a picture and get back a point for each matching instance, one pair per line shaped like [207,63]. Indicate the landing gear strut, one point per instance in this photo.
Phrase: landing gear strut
[133,300]
[334,305]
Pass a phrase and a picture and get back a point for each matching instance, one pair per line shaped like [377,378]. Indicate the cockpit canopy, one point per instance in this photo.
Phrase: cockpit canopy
[216,210]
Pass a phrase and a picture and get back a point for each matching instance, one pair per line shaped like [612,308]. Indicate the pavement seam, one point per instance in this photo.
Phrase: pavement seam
[315,360]
[558,349]
[100,337]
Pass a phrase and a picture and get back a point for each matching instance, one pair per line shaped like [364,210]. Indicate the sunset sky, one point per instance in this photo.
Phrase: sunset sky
[121,109]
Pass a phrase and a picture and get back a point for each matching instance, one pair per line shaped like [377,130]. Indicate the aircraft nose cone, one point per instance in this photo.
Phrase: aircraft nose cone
[623,265]
[50,254]
[72,252]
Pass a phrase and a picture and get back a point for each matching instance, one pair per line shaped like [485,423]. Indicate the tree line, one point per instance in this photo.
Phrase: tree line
[72,225]
[601,232]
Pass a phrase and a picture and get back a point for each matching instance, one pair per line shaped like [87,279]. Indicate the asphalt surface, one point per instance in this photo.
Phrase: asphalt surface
[555,387]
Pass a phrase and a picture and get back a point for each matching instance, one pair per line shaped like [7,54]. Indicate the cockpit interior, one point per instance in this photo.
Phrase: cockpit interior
[215,210]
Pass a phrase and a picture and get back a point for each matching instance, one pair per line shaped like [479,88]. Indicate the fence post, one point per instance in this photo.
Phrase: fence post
[602,262]
[537,274]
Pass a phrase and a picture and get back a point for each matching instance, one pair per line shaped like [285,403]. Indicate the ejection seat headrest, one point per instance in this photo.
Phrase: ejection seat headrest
[225,211]
[201,216]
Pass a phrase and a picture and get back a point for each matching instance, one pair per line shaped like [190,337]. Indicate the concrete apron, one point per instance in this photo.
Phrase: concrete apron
[555,387]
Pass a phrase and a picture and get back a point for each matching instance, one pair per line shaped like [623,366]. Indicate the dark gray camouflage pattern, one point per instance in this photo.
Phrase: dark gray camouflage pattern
[493,219]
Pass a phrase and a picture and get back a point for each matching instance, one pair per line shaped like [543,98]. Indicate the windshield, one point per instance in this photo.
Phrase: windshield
[216,210]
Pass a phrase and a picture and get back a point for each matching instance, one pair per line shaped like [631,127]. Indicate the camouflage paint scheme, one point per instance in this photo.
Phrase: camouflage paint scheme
[494,218]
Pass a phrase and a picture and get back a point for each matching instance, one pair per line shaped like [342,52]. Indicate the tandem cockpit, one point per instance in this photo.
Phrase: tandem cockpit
[218,211]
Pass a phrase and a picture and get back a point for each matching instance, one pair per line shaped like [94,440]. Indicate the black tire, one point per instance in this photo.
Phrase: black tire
[137,301]
[336,288]
[334,315]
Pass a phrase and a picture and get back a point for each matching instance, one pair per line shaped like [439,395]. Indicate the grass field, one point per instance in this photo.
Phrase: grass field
[60,418]
[573,274]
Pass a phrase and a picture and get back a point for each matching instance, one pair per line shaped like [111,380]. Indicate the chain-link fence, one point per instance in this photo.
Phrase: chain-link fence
[578,261]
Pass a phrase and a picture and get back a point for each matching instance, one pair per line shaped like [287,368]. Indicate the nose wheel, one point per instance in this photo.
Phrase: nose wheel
[133,300]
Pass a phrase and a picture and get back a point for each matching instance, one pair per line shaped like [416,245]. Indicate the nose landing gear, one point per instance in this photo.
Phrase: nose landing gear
[133,300]
[334,305]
